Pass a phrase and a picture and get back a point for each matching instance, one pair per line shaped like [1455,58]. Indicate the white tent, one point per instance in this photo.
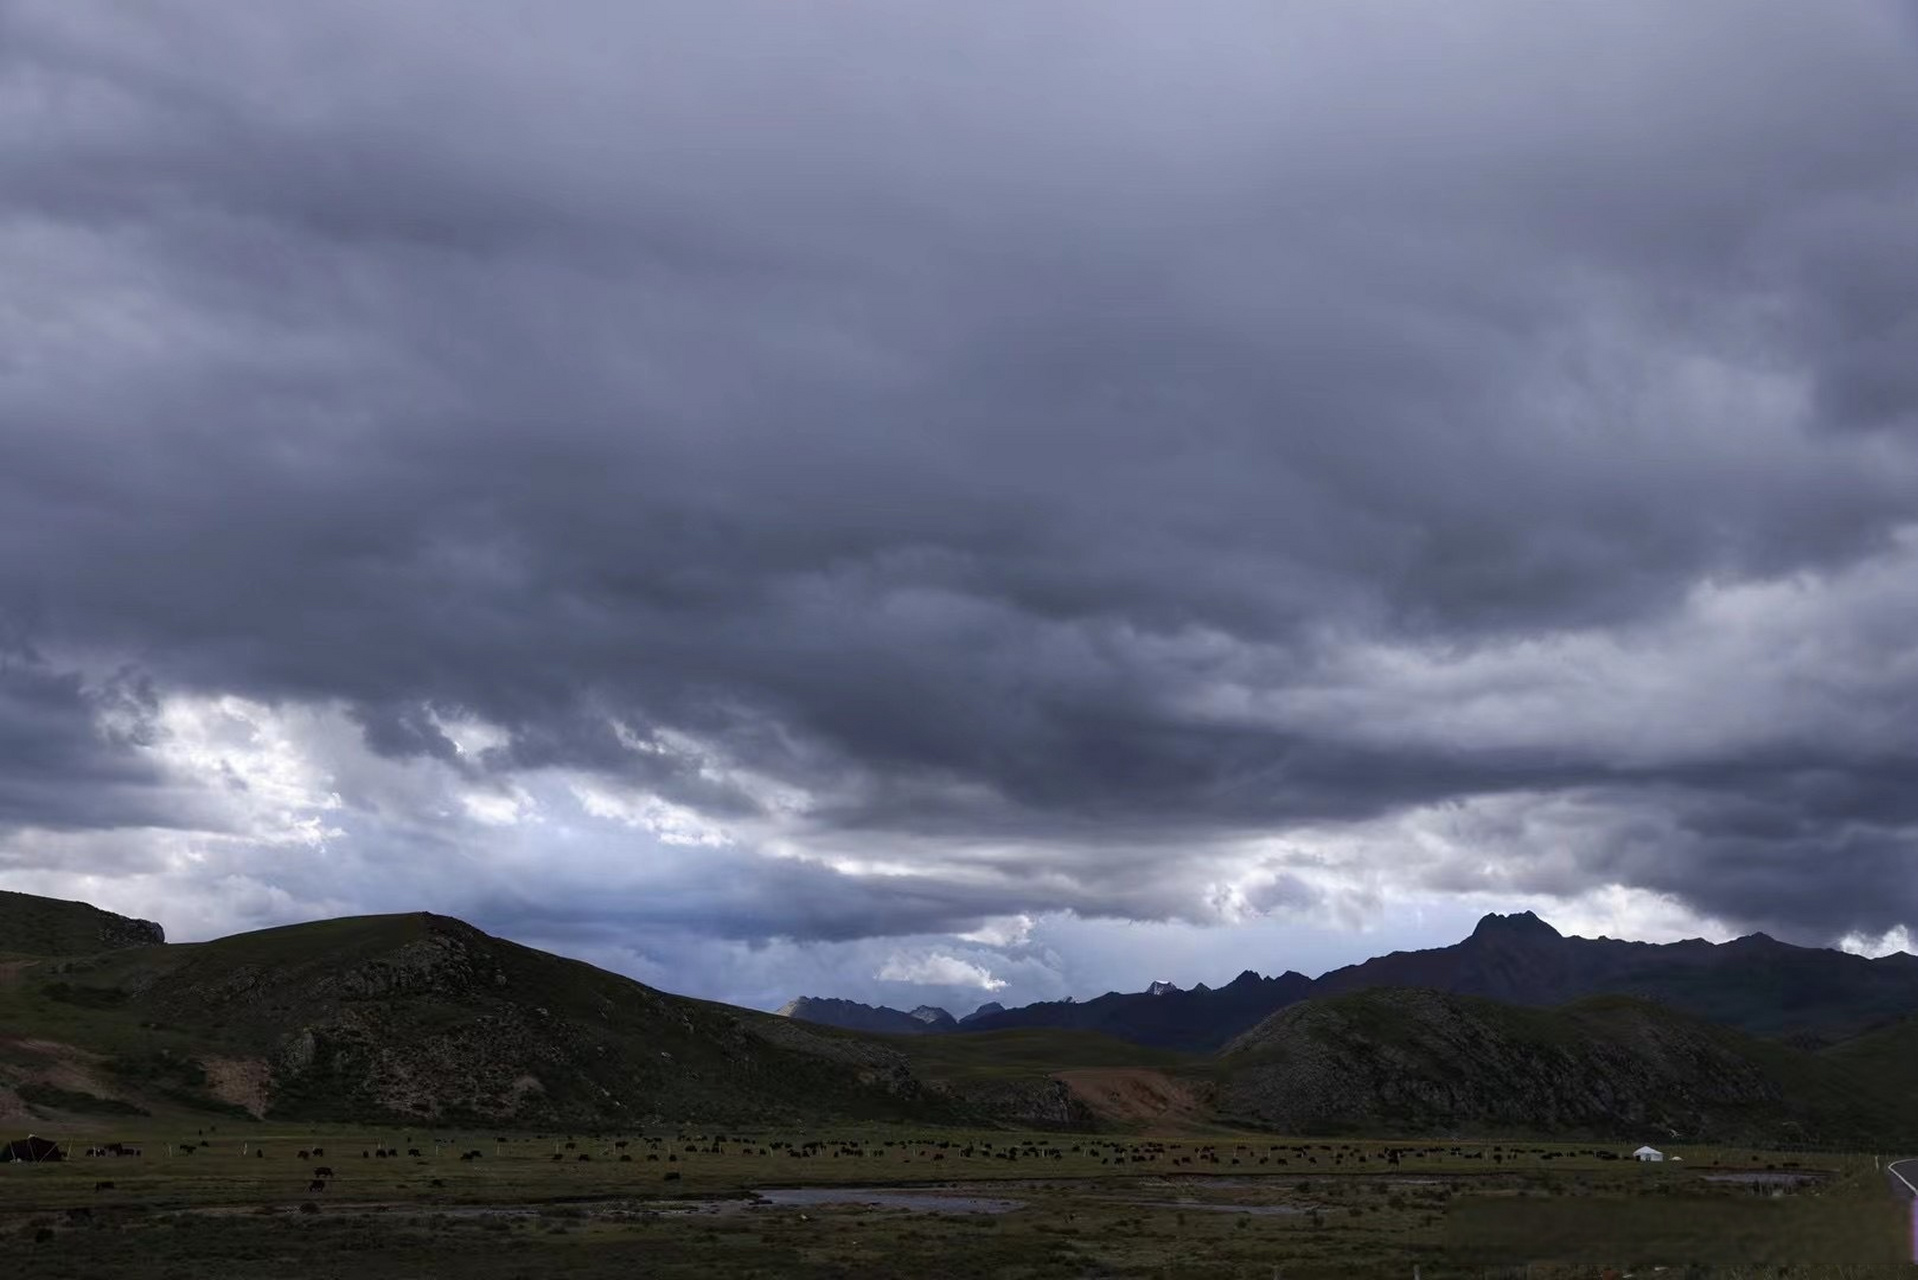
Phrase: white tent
[1648,1154]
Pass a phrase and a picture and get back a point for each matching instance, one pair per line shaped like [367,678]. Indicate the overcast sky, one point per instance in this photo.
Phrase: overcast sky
[926,501]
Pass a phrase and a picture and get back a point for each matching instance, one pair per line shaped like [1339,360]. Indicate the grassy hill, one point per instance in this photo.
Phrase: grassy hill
[1402,1060]
[422,1018]
[32,926]
[1888,1052]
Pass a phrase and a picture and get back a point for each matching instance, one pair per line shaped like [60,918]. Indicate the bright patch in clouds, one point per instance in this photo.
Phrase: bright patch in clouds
[1888,943]
[1007,931]
[936,969]
[671,823]
[247,765]
[498,808]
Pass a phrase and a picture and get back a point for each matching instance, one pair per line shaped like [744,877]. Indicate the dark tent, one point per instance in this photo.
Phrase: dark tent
[30,1149]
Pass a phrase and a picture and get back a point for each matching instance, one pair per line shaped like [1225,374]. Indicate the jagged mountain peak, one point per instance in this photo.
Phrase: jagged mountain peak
[1518,926]
[1162,989]
[933,1016]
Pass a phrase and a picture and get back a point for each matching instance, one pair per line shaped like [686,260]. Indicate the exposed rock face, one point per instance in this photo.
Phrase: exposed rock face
[933,1018]
[125,931]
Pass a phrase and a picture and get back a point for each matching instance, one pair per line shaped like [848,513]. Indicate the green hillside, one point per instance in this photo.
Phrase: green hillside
[32,926]
[1403,1060]
[426,1018]
[1888,1052]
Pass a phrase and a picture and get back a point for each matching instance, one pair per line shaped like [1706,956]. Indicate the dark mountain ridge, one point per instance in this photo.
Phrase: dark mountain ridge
[1194,1021]
[1756,984]
[879,1019]
[850,1015]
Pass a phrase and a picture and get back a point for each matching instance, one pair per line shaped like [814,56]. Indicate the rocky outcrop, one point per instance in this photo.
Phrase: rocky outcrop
[125,931]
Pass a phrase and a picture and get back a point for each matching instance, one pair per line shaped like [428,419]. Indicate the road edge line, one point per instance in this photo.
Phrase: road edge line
[1892,1169]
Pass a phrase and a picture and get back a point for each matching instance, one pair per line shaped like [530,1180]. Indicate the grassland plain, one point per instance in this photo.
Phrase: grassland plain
[887,1201]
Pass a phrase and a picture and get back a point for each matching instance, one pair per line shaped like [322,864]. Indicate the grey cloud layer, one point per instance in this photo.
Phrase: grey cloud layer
[934,410]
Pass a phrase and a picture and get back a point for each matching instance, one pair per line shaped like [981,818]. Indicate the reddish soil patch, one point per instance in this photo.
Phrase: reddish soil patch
[1134,1095]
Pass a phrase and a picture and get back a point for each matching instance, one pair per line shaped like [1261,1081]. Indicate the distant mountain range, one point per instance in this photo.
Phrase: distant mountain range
[854,1016]
[1755,984]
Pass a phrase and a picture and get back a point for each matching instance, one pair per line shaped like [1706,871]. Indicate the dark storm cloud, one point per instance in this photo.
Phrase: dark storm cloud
[933,411]
[60,769]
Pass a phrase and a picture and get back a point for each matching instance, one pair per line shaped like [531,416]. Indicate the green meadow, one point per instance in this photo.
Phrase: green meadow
[852,1202]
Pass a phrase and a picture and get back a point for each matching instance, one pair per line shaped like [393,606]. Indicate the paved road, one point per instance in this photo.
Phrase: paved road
[1903,1176]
